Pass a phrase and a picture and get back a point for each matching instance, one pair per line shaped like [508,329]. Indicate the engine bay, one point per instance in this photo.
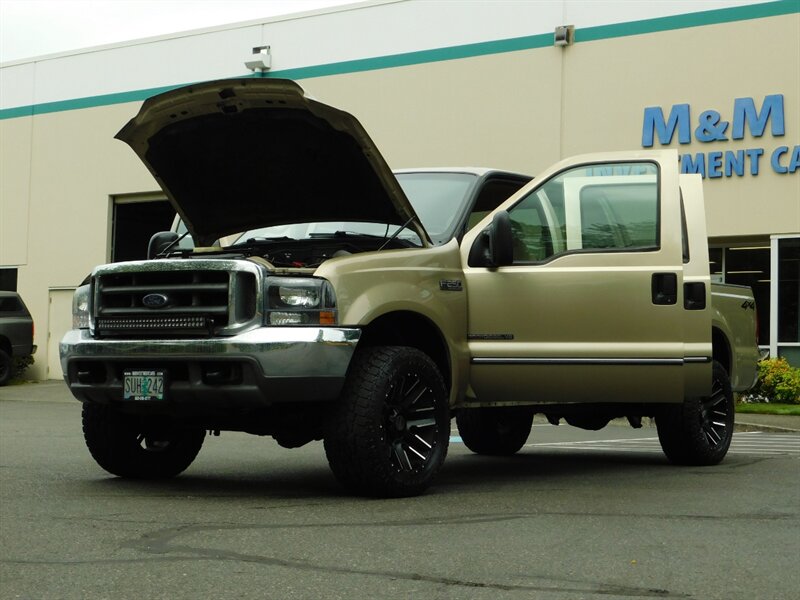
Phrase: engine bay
[286,253]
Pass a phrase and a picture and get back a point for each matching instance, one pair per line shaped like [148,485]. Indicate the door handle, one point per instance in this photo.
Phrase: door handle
[694,295]
[664,288]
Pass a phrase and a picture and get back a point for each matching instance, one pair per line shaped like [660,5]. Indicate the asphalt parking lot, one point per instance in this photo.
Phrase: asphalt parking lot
[575,515]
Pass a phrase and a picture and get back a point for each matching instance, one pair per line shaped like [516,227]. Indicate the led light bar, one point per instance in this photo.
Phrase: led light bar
[176,322]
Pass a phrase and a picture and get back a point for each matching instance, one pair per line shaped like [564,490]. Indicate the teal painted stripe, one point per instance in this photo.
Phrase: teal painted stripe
[92,101]
[350,66]
[103,100]
[77,103]
[686,21]
[710,17]
[17,111]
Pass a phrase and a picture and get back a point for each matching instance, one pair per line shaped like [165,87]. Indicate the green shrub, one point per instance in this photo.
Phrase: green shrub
[777,382]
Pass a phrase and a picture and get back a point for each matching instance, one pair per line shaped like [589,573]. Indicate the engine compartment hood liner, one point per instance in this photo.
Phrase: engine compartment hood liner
[237,154]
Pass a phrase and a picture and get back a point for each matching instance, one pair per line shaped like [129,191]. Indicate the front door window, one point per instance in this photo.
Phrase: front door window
[590,209]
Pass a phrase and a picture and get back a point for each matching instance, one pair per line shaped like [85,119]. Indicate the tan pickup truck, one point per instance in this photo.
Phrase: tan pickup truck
[366,308]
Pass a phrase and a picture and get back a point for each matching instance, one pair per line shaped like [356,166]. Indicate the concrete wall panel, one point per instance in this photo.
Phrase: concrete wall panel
[15,184]
[494,111]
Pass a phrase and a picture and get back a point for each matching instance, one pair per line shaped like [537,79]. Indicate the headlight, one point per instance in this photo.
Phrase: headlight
[300,301]
[80,307]
[301,297]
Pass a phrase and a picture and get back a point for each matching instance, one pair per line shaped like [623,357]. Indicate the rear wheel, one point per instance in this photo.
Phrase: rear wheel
[495,431]
[390,431]
[5,367]
[125,447]
[699,431]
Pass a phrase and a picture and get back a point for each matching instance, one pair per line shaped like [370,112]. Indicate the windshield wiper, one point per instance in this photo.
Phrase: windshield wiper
[256,240]
[342,234]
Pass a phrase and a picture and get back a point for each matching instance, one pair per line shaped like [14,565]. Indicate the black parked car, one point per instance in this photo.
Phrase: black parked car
[16,333]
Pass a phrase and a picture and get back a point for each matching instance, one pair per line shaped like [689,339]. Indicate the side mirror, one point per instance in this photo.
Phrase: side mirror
[501,240]
[494,247]
[159,242]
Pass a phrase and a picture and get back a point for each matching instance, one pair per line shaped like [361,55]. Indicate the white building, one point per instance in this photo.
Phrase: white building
[435,83]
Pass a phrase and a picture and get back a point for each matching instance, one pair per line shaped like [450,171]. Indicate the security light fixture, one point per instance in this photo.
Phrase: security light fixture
[260,61]
[564,35]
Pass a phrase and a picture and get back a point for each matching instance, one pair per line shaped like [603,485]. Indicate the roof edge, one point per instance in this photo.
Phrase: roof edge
[588,34]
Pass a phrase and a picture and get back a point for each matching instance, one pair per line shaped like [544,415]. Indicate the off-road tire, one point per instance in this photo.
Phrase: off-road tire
[699,431]
[124,447]
[495,431]
[6,368]
[389,433]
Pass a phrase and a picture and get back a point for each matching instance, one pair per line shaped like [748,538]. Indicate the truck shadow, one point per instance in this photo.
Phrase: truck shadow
[544,466]
[461,473]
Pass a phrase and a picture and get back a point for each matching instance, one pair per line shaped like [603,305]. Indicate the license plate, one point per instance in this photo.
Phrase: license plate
[143,385]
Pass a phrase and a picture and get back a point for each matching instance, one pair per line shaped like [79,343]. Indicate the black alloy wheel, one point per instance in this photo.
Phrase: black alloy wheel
[699,431]
[389,434]
[715,415]
[410,422]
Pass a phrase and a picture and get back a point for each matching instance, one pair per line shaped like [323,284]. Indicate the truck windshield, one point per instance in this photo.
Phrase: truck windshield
[438,199]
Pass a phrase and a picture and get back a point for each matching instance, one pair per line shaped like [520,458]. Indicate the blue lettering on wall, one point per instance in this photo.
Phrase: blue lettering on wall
[696,164]
[744,110]
[714,164]
[711,126]
[776,165]
[792,164]
[754,154]
[729,163]
[654,124]
[734,163]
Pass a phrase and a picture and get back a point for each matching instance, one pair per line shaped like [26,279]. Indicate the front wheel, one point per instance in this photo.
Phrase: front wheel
[389,434]
[699,431]
[127,448]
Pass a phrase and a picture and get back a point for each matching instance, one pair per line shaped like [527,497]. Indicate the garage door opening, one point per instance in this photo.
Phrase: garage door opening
[134,221]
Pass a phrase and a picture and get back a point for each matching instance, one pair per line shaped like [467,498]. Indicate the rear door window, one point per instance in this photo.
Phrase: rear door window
[10,304]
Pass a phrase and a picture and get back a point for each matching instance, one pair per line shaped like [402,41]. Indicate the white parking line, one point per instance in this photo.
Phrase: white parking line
[621,440]
[746,443]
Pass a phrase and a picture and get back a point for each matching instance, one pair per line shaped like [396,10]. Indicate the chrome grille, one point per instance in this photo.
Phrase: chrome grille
[175,298]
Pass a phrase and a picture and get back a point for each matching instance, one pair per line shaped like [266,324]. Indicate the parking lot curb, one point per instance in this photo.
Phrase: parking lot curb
[743,426]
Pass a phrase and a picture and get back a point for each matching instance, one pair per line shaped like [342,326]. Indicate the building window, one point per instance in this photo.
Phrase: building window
[135,220]
[8,280]
[749,266]
[715,266]
[787,290]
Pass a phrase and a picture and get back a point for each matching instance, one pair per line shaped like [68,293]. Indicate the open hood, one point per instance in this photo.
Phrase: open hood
[238,154]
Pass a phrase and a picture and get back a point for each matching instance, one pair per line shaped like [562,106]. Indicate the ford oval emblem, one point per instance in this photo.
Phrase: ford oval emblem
[155,300]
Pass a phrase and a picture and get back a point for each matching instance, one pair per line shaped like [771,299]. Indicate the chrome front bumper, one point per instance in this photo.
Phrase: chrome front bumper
[263,366]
